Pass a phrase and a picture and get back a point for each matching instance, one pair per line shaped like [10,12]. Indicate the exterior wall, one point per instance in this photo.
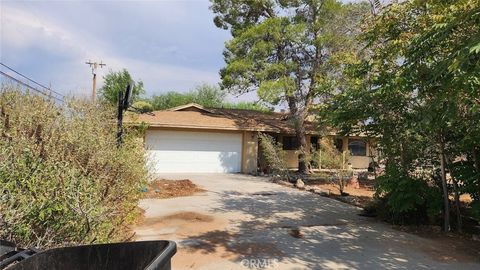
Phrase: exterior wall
[358,162]
[250,152]
[291,156]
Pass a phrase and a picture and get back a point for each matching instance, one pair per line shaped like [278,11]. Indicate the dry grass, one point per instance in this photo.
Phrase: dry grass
[164,189]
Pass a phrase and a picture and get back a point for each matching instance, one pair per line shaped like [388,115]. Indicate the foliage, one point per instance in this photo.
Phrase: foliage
[63,181]
[284,50]
[208,96]
[116,81]
[274,156]
[469,178]
[331,158]
[255,106]
[205,95]
[170,99]
[405,199]
[142,106]
[416,88]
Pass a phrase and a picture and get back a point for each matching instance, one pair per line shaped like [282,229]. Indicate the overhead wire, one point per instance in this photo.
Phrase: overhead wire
[32,80]
[31,87]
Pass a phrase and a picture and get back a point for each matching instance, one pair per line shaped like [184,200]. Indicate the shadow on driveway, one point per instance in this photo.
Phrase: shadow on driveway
[313,232]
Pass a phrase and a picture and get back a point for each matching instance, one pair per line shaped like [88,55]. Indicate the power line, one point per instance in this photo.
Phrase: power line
[31,87]
[37,83]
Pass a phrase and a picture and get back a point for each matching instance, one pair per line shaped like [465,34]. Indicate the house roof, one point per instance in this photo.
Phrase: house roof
[197,117]
[190,107]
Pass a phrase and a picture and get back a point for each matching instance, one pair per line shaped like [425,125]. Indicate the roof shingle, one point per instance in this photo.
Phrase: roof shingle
[220,119]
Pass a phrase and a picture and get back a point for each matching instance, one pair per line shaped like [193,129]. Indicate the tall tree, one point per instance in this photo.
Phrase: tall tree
[204,94]
[116,81]
[283,49]
[208,95]
[419,89]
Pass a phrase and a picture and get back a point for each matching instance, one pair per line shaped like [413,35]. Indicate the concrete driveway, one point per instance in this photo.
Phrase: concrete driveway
[245,222]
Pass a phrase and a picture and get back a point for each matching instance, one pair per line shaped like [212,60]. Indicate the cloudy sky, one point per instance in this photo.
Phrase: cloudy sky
[169,44]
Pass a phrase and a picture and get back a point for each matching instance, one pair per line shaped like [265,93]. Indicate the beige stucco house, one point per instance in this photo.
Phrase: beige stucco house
[192,138]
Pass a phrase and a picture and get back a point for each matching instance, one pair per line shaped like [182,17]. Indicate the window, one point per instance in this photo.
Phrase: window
[314,143]
[339,145]
[357,147]
[290,143]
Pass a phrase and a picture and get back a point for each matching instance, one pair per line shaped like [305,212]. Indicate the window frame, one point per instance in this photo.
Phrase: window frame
[290,143]
[356,153]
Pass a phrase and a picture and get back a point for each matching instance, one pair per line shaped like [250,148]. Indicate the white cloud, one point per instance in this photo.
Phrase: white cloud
[23,30]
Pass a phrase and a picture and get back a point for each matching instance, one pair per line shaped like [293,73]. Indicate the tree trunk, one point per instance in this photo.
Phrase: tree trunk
[457,205]
[298,116]
[446,217]
[301,137]
[456,196]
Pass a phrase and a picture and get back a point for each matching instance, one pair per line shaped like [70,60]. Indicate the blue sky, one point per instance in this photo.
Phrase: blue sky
[169,44]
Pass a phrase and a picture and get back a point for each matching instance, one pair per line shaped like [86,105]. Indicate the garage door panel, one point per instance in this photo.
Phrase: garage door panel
[193,141]
[183,151]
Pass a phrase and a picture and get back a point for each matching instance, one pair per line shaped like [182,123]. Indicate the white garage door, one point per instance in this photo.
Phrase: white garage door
[185,151]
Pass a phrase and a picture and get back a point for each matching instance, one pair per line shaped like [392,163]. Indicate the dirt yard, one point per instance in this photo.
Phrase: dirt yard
[164,189]
[361,196]
[357,196]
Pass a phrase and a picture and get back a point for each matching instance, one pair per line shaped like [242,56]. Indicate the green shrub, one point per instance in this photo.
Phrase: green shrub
[331,158]
[63,181]
[469,182]
[142,106]
[402,199]
[274,156]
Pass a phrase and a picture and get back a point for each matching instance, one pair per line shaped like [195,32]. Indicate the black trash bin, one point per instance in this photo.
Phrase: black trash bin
[6,247]
[145,255]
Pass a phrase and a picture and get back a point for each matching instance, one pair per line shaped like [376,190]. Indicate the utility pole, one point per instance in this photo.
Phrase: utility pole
[94,66]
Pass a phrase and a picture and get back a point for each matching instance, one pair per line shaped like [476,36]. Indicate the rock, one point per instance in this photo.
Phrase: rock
[323,192]
[309,188]
[285,183]
[300,184]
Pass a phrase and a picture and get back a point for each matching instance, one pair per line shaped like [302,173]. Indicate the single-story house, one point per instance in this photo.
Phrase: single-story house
[192,138]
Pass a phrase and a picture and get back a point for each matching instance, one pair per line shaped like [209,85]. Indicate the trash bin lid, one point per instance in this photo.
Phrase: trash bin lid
[144,255]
